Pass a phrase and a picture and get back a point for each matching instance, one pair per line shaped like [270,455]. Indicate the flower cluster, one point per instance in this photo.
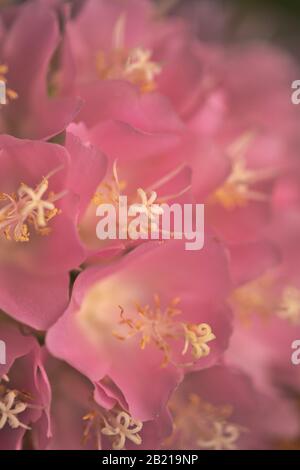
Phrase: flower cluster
[138,344]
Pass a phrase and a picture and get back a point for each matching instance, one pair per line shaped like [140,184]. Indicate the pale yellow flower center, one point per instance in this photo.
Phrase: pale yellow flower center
[134,65]
[28,207]
[159,326]
[239,188]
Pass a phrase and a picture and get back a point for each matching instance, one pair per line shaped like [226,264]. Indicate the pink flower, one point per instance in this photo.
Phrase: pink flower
[235,173]
[39,208]
[257,137]
[220,409]
[245,142]
[24,391]
[143,320]
[112,40]
[119,119]
[268,308]
[147,181]
[268,360]
[41,102]
[91,417]
[122,99]
[144,141]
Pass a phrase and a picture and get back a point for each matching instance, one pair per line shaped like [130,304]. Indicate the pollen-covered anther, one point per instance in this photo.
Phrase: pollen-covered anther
[146,204]
[110,191]
[237,191]
[289,306]
[122,427]
[117,425]
[197,337]
[150,208]
[12,404]
[161,328]
[27,207]
[141,70]
[134,65]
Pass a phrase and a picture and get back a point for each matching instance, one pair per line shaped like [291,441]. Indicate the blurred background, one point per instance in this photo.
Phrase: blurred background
[275,20]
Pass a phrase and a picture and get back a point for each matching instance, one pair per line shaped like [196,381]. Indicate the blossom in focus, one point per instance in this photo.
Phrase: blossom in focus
[154,101]
[39,209]
[142,320]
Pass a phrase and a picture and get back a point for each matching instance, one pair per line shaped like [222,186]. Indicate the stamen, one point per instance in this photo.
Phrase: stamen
[148,207]
[10,94]
[10,407]
[237,190]
[203,425]
[141,70]
[224,437]
[259,297]
[146,202]
[134,65]
[122,427]
[28,207]
[197,336]
[110,191]
[254,298]
[158,326]
[115,424]
[12,404]
[118,36]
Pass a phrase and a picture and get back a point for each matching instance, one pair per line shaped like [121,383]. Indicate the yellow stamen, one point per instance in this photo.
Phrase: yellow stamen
[238,191]
[158,326]
[145,202]
[26,207]
[134,65]
[10,94]
[197,336]
[110,191]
